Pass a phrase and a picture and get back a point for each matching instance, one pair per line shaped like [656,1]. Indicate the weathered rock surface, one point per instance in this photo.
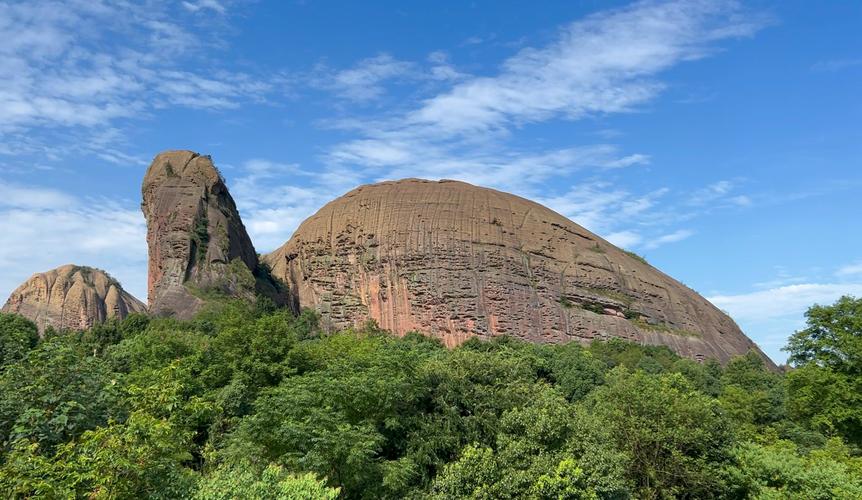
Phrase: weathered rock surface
[454,261]
[197,242]
[71,297]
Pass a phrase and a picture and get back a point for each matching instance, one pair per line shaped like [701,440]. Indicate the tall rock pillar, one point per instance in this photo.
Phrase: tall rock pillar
[198,245]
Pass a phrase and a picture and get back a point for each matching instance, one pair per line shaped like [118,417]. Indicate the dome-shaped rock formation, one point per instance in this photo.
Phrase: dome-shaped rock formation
[197,241]
[71,297]
[454,260]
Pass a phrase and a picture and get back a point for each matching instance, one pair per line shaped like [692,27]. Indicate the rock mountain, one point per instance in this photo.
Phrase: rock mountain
[446,258]
[71,298]
[454,261]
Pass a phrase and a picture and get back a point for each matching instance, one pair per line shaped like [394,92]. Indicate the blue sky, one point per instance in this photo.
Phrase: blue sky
[720,140]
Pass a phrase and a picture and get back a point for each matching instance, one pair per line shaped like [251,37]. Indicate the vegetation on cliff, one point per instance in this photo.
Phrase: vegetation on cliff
[250,401]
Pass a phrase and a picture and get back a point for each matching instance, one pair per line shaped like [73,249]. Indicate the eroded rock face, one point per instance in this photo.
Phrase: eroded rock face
[454,261]
[71,297]
[197,242]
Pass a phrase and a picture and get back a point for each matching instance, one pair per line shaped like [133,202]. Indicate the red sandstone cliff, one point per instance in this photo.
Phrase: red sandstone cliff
[454,260]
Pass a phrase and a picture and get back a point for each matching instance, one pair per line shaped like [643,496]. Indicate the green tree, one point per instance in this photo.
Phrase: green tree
[575,371]
[141,458]
[778,471]
[832,338]
[273,482]
[55,393]
[533,456]
[346,416]
[826,388]
[17,336]
[752,396]
[566,482]
[674,438]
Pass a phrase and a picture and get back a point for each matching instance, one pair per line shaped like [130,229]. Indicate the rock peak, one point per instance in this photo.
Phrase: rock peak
[197,241]
[71,297]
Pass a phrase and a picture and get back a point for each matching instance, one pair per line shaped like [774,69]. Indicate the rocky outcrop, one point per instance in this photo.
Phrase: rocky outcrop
[71,298]
[198,245]
[455,261]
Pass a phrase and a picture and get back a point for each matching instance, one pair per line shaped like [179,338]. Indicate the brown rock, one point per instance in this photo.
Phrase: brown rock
[455,261]
[71,297]
[197,241]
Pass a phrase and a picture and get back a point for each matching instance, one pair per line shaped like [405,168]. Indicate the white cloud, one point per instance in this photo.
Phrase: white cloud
[15,196]
[719,194]
[368,79]
[41,229]
[741,200]
[83,65]
[771,316]
[273,202]
[442,69]
[783,278]
[624,239]
[606,63]
[212,5]
[628,161]
[519,172]
[673,237]
[365,80]
[602,64]
[850,270]
[784,301]
[603,208]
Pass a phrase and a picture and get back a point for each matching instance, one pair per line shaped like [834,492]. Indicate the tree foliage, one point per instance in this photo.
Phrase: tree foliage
[826,388]
[249,401]
[17,336]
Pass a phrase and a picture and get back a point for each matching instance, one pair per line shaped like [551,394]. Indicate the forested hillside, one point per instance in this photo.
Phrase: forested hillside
[253,402]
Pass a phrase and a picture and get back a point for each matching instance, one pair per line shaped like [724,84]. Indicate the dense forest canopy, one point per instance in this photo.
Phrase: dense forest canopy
[254,402]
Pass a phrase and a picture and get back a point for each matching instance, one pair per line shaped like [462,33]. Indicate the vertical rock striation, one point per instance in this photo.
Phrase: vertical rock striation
[71,298]
[454,261]
[197,242]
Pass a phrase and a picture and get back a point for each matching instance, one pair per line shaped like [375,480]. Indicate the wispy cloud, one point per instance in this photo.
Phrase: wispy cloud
[624,239]
[605,63]
[604,208]
[364,81]
[272,210]
[609,62]
[771,316]
[86,65]
[26,197]
[783,278]
[836,64]
[673,237]
[783,301]
[43,228]
[850,270]
[371,78]
[212,5]
[774,309]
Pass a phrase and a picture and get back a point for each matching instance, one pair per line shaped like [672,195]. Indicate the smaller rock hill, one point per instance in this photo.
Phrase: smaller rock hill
[71,297]
[454,261]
